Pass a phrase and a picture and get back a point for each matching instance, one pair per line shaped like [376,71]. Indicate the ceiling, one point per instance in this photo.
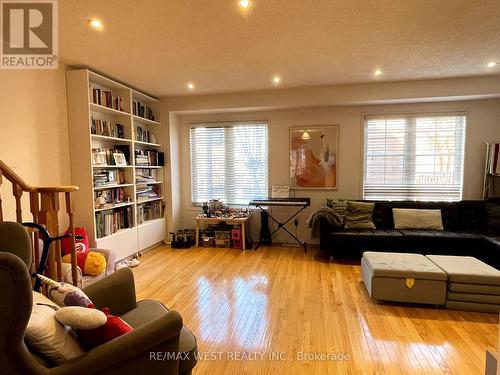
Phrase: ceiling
[161,45]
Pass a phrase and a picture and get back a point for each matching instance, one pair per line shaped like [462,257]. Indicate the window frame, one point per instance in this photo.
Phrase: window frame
[393,115]
[223,124]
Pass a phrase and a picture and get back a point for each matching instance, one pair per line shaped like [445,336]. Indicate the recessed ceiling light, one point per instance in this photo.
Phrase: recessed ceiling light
[96,24]
[245,4]
[276,80]
[377,72]
[491,64]
[190,85]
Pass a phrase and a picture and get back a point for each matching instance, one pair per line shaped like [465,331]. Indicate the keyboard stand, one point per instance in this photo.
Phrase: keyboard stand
[281,225]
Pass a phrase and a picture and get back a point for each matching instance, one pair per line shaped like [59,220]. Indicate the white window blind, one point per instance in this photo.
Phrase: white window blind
[414,157]
[229,162]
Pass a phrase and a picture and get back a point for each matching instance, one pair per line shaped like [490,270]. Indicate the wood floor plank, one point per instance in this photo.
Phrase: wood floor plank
[279,302]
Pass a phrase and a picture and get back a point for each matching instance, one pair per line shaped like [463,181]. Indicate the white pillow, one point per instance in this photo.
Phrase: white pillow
[47,336]
[408,218]
[81,317]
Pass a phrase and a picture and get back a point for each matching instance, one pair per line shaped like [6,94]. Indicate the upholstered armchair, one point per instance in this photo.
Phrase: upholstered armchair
[155,328]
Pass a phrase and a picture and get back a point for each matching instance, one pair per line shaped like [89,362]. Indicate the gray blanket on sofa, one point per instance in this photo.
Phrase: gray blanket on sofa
[324,212]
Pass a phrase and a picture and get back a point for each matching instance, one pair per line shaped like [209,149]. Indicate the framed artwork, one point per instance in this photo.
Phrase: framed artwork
[119,159]
[314,157]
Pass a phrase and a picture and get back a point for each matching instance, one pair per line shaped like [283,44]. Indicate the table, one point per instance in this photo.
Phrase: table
[214,220]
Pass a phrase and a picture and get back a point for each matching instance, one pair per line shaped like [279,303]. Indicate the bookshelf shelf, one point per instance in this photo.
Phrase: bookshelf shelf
[103,109]
[144,120]
[112,166]
[114,206]
[112,186]
[111,139]
[150,200]
[119,227]
[149,166]
[147,144]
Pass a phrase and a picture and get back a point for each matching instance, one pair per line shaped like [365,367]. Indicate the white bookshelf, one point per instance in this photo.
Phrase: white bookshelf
[127,236]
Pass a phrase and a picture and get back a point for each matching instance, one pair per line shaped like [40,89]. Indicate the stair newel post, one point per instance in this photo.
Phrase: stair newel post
[69,211]
[50,208]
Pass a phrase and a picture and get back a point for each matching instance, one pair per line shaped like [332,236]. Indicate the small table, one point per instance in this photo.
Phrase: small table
[214,220]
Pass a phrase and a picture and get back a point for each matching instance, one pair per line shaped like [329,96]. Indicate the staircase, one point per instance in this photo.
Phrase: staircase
[44,207]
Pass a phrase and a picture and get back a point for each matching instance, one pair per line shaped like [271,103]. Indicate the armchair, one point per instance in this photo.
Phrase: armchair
[155,328]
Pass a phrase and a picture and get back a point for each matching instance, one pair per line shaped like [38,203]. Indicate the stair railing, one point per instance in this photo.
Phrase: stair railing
[44,206]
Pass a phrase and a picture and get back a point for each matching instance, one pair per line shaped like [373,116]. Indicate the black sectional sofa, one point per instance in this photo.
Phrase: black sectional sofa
[466,232]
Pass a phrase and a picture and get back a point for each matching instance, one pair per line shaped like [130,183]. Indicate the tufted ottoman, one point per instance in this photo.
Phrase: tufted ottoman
[403,277]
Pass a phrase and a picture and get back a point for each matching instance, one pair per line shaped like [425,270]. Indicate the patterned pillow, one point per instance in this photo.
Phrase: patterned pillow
[65,294]
[359,215]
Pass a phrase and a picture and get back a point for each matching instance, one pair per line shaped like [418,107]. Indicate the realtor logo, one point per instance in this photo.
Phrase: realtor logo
[29,34]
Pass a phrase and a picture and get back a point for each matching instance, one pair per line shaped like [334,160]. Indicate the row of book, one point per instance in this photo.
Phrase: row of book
[105,98]
[107,156]
[110,196]
[108,177]
[149,211]
[146,157]
[104,127]
[144,135]
[142,110]
[145,192]
[109,222]
[144,176]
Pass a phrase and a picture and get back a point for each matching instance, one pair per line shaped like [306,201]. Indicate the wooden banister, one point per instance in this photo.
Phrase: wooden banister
[44,209]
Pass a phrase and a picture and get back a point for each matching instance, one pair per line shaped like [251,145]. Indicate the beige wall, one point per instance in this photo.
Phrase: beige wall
[483,125]
[33,129]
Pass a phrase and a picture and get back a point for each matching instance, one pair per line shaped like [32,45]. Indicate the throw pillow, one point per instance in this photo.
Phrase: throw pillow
[64,294]
[114,327]
[359,215]
[47,336]
[80,317]
[409,218]
[493,217]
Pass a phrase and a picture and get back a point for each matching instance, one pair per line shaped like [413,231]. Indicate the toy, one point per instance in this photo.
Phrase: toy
[90,262]
[113,328]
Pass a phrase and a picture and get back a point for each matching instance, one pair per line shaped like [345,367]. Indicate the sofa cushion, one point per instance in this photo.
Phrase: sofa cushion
[47,336]
[402,265]
[359,215]
[473,297]
[474,288]
[467,270]
[439,234]
[409,218]
[492,217]
[147,311]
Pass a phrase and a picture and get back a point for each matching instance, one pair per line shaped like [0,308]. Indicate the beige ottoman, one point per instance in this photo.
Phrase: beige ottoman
[403,277]
[472,284]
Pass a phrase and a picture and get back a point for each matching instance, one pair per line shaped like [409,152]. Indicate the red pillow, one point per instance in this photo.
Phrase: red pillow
[114,327]
[81,241]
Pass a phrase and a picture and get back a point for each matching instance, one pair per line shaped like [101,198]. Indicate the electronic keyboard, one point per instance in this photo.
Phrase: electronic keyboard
[281,202]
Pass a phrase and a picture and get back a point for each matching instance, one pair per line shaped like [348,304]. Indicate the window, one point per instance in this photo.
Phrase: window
[414,157]
[228,162]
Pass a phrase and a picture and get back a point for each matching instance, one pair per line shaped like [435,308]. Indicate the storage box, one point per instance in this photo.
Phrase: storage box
[223,243]
[403,277]
[208,241]
[222,235]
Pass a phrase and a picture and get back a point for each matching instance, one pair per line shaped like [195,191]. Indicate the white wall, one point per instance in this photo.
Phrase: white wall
[483,125]
[33,130]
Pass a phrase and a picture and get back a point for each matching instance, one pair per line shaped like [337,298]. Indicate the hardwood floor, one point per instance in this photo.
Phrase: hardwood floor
[279,301]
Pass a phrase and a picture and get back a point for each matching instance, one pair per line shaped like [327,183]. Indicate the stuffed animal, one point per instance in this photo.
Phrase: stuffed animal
[113,328]
[90,262]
